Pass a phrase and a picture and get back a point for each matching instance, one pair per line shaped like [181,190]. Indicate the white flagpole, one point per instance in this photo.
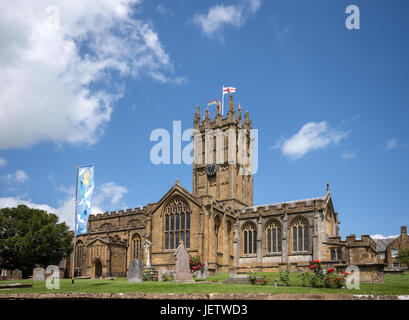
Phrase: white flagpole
[75,231]
[222,101]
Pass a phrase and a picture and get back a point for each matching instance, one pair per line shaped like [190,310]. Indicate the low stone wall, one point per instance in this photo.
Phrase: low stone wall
[201,296]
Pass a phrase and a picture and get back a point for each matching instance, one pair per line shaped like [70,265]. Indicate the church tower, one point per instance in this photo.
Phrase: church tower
[222,157]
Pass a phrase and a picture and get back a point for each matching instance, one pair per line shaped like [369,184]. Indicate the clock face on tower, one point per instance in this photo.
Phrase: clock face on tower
[211,169]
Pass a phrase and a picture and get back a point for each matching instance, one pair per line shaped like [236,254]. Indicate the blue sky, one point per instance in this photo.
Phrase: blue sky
[330,104]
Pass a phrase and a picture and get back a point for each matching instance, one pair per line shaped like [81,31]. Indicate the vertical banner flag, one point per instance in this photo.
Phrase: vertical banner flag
[226,90]
[85,189]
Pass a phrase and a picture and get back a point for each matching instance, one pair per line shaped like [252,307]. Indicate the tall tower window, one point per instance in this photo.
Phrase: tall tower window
[177,224]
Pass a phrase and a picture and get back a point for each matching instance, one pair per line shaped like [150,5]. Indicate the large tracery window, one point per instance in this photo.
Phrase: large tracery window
[177,224]
[249,239]
[273,237]
[136,246]
[300,235]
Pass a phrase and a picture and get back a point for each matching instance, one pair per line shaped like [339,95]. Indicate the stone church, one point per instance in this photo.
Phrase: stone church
[218,221]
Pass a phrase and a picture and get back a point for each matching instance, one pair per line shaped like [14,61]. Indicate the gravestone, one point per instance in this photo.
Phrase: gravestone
[183,273]
[52,271]
[38,274]
[237,277]
[204,274]
[16,275]
[135,271]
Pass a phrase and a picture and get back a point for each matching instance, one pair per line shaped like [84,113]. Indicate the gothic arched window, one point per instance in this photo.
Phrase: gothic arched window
[300,235]
[333,255]
[136,246]
[78,254]
[249,239]
[339,254]
[218,234]
[273,237]
[177,224]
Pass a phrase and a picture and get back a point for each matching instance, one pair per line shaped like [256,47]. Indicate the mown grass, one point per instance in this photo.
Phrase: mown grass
[397,284]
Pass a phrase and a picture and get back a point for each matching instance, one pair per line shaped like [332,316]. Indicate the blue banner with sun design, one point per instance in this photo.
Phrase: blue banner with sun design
[85,189]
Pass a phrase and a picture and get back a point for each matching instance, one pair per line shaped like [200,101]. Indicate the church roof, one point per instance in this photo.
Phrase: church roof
[279,204]
[381,244]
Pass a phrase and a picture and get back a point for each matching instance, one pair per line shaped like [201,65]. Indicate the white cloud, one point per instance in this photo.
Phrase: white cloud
[20,176]
[220,15]
[164,10]
[393,144]
[381,236]
[10,202]
[312,136]
[105,197]
[109,192]
[348,154]
[254,5]
[56,80]
[2,162]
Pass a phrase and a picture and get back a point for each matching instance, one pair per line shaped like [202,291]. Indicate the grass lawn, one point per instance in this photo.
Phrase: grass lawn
[397,284]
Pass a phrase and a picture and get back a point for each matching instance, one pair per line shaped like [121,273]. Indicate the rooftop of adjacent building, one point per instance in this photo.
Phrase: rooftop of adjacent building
[382,244]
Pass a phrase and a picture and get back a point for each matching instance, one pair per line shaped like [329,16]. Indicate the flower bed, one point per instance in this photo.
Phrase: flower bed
[318,278]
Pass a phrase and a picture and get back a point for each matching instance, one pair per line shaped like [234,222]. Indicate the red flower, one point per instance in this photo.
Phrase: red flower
[317,261]
[327,278]
[339,279]
[331,270]
[314,266]
[345,272]
[265,280]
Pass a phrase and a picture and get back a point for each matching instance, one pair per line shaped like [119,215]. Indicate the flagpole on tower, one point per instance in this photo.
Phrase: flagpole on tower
[222,101]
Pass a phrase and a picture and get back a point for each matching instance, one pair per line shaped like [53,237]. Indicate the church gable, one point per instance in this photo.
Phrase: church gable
[174,192]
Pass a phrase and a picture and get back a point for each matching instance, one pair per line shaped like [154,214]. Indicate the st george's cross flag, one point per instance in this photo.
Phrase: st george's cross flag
[227,90]
[85,189]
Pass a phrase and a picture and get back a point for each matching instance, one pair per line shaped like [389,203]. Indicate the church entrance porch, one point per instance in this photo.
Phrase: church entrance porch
[97,269]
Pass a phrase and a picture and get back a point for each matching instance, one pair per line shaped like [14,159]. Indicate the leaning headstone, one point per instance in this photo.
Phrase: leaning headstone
[38,274]
[16,275]
[183,273]
[135,271]
[199,274]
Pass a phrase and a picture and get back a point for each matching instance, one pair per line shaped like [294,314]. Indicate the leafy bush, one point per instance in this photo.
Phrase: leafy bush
[149,276]
[285,277]
[166,277]
[196,264]
[319,279]
[257,279]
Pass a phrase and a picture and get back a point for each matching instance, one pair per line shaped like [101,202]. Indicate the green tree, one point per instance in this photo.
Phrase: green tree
[403,257]
[30,237]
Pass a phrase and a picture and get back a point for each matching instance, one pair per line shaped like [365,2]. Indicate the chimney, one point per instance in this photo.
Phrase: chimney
[403,230]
